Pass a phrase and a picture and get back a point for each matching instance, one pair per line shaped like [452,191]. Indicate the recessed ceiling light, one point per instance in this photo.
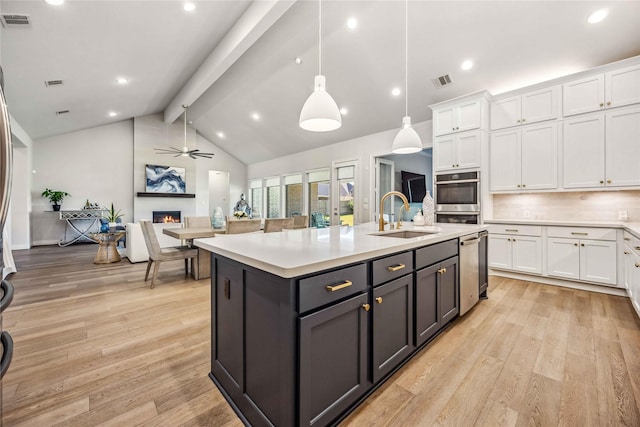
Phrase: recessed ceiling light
[188,6]
[467,65]
[122,81]
[395,91]
[344,111]
[298,60]
[255,116]
[598,16]
[220,135]
[112,114]
[55,2]
[352,23]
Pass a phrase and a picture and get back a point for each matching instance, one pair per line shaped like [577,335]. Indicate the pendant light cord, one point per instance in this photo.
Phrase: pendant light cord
[406,58]
[319,37]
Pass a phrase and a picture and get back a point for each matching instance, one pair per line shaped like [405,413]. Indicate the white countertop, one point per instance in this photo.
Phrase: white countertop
[632,227]
[293,253]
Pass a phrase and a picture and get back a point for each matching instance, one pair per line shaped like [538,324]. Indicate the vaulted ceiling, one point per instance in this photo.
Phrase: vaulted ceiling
[230,60]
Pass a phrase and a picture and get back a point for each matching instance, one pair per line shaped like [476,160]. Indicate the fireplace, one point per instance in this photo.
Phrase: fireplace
[166,217]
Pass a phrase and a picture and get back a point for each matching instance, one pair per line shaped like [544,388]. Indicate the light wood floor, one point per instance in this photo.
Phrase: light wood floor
[95,346]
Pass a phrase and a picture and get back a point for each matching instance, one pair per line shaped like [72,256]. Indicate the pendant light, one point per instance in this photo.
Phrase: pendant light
[407,140]
[320,112]
[184,151]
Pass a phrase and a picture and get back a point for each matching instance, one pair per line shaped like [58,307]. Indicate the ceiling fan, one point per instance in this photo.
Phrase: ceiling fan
[184,151]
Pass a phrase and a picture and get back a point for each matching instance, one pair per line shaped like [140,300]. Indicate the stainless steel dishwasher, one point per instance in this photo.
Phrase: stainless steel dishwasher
[469,272]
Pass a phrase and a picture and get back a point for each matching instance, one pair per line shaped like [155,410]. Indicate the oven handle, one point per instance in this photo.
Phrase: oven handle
[7,352]
[8,289]
[462,181]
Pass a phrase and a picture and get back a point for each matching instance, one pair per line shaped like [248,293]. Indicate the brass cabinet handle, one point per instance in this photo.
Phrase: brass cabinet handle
[442,270]
[637,265]
[366,307]
[513,230]
[518,120]
[576,233]
[523,120]
[626,238]
[601,104]
[523,185]
[627,253]
[227,288]
[581,244]
[396,267]
[575,244]
[608,181]
[333,288]
[601,182]
[458,127]
[513,240]
[609,103]
[379,300]
[518,185]
[637,248]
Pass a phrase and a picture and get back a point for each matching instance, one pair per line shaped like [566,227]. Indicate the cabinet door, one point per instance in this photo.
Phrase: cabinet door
[467,116]
[506,113]
[448,286]
[392,308]
[444,153]
[583,95]
[504,160]
[583,152]
[598,261]
[227,314]
[443,121]
[527,254]
[500,251]
[468,150]
[540,105]
[628,270]
[333,360]
[634,283]
[540,156]
[563,258]
[426,302]
[623,147]
[622,86]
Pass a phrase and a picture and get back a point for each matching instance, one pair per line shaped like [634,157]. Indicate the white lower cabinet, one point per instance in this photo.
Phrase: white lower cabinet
[589,260]
[632,269]
[515,252]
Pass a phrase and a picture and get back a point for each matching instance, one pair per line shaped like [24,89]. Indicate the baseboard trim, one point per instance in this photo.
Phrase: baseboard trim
[603,289]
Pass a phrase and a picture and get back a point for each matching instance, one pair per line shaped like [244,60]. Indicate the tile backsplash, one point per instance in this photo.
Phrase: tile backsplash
[585,205]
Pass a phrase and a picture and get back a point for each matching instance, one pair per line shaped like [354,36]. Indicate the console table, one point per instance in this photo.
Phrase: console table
[82,222]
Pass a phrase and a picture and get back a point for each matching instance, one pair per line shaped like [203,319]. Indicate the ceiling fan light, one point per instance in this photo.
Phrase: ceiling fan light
[407,141]
[320,113]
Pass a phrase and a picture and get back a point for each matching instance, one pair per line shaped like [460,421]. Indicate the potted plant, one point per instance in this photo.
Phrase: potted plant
[55,197]
[113,216]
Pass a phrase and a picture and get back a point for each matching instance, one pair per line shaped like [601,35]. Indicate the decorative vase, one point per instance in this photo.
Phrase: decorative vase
[418,219]
[428,209]
[217,219]
[104,227]
[112,226]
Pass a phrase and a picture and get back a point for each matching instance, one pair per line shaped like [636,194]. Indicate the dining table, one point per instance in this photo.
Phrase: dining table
[204,256]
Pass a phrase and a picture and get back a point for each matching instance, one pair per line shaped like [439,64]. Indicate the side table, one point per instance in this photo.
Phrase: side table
[107,251]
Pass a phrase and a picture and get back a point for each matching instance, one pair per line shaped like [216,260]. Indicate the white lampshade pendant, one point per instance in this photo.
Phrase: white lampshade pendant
[320,113]
[407,140]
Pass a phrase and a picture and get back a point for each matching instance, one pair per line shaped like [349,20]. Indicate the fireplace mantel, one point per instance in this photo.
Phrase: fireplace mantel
[182,195]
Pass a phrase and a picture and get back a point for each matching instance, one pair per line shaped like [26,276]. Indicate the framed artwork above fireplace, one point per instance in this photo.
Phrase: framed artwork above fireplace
[165,179]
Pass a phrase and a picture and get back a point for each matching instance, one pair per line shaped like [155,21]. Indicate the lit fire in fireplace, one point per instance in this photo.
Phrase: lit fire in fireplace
[169,219]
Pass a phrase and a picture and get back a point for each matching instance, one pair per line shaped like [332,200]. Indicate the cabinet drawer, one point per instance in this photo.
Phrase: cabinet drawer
[391,267]
[632,241]
[582,233]
[516,229]
[328,287]
[436,253]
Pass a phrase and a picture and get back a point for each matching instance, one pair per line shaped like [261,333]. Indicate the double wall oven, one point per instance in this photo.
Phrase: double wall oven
[457,197]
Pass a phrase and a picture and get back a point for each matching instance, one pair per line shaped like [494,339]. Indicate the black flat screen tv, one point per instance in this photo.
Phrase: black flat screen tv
[414,186]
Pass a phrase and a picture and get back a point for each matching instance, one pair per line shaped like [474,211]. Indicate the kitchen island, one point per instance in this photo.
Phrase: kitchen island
[306,323]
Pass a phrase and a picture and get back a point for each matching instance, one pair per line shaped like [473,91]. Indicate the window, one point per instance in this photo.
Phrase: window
[319,187]
[294,197]
[346,188]
[255,198]
[273,197]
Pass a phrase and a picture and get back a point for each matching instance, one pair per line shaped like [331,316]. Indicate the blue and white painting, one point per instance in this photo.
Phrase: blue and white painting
[165,179]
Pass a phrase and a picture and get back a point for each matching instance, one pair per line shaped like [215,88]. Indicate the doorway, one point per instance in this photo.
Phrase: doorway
[219,191]
[344,190]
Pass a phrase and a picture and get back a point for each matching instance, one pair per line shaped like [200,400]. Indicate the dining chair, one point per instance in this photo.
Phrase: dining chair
[197,222]
[300,221]
[237,226]
[277,224]
[158,254]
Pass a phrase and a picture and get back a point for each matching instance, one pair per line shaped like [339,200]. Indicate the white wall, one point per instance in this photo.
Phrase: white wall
[364,149]
[18,225]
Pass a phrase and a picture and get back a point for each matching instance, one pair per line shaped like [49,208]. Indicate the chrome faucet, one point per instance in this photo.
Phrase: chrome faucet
[406,206]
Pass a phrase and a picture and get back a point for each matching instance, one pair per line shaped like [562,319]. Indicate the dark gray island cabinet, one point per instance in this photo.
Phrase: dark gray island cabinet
[307,350]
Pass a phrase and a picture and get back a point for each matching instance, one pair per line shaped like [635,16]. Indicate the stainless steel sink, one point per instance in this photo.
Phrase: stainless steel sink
[405,234]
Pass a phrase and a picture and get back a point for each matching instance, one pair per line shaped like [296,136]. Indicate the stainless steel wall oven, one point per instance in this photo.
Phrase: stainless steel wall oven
[457,197]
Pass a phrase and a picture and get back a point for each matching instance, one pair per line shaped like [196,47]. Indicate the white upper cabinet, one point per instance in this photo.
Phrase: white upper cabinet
[460,117]
[457,151]
[622,143]
[531,107]
[613,89]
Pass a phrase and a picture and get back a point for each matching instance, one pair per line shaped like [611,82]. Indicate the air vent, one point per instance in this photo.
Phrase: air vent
[61,112]
[53,83]
[442,81]
[9,20]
